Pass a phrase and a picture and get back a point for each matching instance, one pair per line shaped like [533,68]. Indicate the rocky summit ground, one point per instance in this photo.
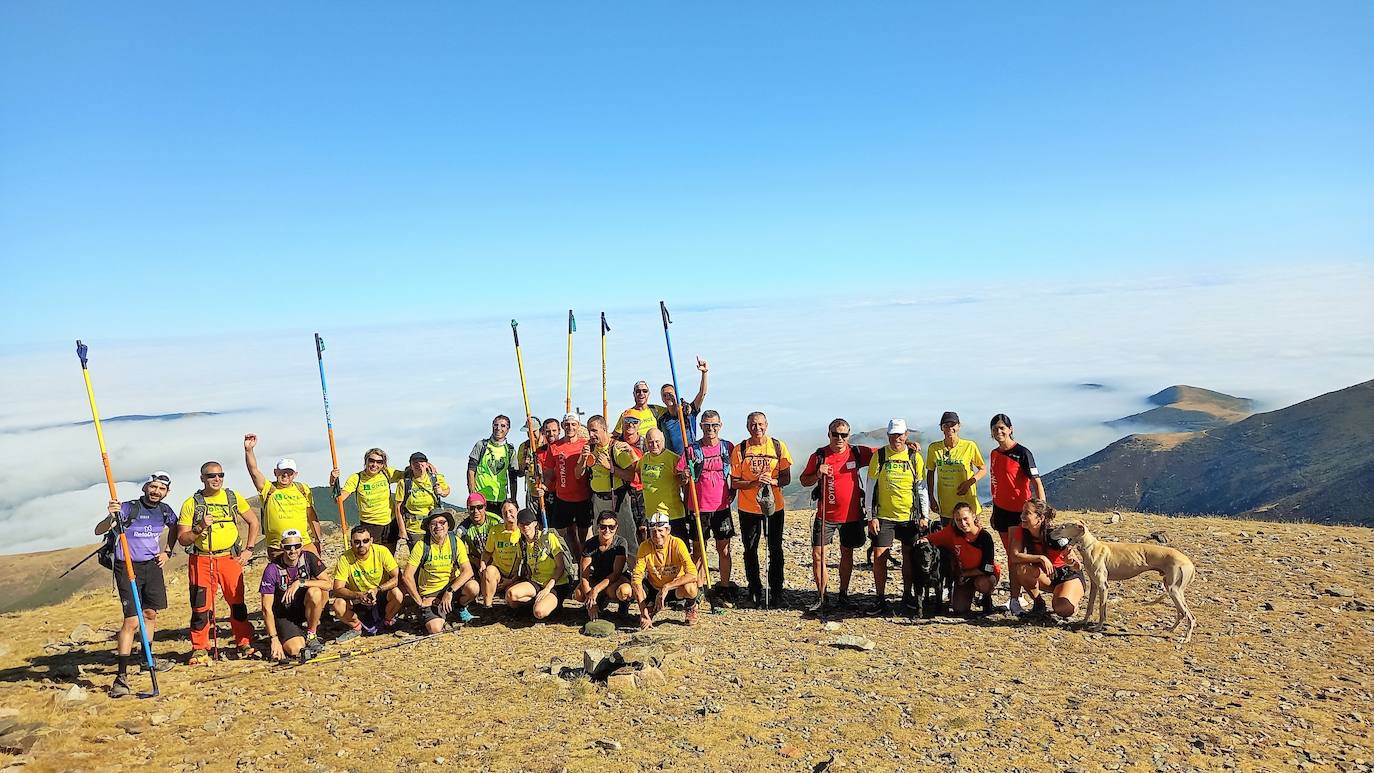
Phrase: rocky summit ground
[1277,677]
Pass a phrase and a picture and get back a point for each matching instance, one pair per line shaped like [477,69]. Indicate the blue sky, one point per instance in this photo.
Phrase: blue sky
[254,166]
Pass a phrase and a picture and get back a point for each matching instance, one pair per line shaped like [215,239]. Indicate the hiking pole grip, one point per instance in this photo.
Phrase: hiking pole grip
[515,331]
[663,311]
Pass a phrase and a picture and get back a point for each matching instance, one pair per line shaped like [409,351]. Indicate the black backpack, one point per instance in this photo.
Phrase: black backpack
[105,556]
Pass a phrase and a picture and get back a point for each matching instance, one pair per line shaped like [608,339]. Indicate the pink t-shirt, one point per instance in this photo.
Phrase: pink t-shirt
[713,491]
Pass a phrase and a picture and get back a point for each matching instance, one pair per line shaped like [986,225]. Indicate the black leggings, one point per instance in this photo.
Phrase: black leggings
[752,527]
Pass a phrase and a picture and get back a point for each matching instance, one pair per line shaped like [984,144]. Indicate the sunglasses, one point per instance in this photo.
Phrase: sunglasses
[362,542]
[839,434]
[214,475]
[376,461]
[162,478]
[710,426]
[607,527]
[292,547]
[477,507]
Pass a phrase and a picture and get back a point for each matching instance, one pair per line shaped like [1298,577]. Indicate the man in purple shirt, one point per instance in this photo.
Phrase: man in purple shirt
[143,521]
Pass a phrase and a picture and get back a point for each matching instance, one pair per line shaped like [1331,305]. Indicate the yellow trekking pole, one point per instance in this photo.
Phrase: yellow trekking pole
[605,412]
[531,468]
[118,523]
[572,328]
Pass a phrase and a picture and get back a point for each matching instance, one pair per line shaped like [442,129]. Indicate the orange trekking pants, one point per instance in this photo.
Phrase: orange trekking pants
[228,575]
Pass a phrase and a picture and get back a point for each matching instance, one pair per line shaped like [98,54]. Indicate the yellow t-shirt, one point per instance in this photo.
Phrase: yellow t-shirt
[363,575]
[544,564]
[660,566]
[441,568]
[603,482]
[749,463]
[504,546]
[896,478]
[223,532]
[422,501]
[284,509]
[374,501]
[662,494]
[953,466]
[648,419]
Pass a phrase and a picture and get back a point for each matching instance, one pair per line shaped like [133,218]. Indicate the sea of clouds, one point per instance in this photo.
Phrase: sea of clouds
[1278,336]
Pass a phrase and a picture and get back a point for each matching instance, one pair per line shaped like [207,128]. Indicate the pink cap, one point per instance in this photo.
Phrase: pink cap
[476,499]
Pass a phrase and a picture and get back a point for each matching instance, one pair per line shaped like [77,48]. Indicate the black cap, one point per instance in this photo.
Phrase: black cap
[949,417]
[527,516]
[418,456]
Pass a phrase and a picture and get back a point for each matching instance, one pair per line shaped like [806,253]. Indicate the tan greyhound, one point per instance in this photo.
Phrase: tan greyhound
[1105,561]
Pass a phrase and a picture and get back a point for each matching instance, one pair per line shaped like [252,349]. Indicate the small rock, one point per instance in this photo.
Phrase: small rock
[1267,606]
[599,628]
[6,711]
[131,726]
[1340,592]
[595,663]
[84,634]
[158,719]
[831,626]
[1115,517]
[607,744]
[649,676]
[789,751]
[73,694]
[622,682]
[854,642]
[439,760]
[1160,537]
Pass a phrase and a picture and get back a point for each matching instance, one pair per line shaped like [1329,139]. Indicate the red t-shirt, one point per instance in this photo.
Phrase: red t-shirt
[971,553]
[841,492]
[1013,470]
[560,457]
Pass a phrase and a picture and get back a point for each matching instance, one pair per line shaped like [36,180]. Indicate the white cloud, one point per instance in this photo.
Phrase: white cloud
[1017,348]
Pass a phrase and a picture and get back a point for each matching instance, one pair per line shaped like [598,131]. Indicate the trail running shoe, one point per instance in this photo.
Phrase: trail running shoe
[313,644]
[1039,607]
[880,609]
[120,688]
[199,658]
[159,665]
[988,606]
[1015,607]
[350,634]
[816,610]
[464,616]
[691,612]
[246,652]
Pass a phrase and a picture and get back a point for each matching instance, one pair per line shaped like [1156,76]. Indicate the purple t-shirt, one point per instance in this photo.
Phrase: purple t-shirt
[144,530]
[277,577]
[713,491]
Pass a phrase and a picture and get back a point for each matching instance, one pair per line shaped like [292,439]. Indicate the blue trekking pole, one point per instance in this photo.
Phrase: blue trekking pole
[119,524]
[687,440]
[333,451]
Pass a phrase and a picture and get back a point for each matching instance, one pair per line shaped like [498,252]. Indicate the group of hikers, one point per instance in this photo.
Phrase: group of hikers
[607,522]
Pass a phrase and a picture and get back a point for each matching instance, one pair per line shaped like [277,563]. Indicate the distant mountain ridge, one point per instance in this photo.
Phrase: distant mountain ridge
[1310,461]
[1188,409]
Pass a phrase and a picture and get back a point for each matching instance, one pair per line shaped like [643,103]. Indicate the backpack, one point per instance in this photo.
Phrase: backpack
[452,551]
[697,460]
[201,510]
[300,489]
[881,453]
[314,565]
[433,486]
[105,556]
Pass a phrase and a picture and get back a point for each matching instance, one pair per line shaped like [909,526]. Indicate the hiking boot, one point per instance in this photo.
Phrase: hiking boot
[246,652]
[160,665]
[464,616]
[880,608]
[349,635]
[199,658]
[842,600]
[313,645]
[120,688]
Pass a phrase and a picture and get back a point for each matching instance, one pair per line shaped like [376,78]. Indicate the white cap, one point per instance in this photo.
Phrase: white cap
[571,417]
[896,427]
[658,519]
[286,464]
[160,476]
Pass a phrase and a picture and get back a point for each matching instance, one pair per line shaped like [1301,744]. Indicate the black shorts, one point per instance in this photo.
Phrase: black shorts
[563,515]
[152,589]
[288,629]
[823,532]
[382,533]
[1063,574]
[903,532]
[1005,519]
[430,611]
[720,523]
[683,528]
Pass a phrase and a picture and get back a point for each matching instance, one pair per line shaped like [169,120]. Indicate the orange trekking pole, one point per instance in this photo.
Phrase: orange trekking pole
[119,525]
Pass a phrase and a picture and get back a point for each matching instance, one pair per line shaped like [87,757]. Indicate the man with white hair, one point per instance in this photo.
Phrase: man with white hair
[143,521]
[286,502]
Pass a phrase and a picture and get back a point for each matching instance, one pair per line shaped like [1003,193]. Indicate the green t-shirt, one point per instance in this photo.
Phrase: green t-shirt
[492,472]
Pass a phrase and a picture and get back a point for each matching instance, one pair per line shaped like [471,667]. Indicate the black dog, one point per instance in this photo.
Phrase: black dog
[928,579]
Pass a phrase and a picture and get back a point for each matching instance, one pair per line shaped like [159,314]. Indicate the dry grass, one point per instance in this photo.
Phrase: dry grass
[1255,690]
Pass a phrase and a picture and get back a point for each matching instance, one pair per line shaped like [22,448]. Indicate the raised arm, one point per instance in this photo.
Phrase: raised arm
[250,457]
